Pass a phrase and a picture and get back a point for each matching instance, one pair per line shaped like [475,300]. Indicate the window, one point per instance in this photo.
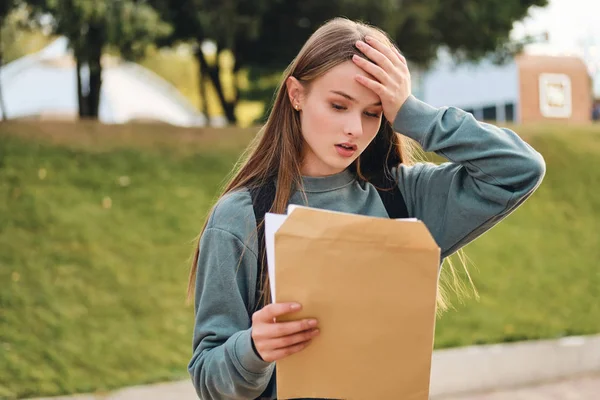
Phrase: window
[489,113]
[555,95]
[509,112]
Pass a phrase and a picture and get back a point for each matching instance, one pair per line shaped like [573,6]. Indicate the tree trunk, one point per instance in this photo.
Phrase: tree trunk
[237,66]
[202,87]
[2,105]
[89,95]
[213,73]
[81,97]
[93,99]
[96,42]
[89,55]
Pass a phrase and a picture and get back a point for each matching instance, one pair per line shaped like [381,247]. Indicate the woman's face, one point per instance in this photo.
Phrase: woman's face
[339,118]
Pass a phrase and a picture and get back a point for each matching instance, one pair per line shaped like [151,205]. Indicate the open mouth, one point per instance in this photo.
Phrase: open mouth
[346,150]
[347,146]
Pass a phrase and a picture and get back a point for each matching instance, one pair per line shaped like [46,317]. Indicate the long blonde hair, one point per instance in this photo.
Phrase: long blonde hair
[276,151]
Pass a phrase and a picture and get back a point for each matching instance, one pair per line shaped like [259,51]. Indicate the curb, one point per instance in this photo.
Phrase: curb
[504,366]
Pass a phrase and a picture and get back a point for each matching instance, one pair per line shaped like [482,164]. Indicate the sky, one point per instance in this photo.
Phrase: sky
[573,27]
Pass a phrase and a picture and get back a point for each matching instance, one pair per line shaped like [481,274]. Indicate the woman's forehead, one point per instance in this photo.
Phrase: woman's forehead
[342,78]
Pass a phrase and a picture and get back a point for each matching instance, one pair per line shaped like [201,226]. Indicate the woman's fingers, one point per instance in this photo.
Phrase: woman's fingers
[390,72]
[273,349]
[400,56]
[278,354]
[374,85]
[291,340]
[376,56]
[281,329]
[375,70]
[385,50]
[274,310]
[275,340]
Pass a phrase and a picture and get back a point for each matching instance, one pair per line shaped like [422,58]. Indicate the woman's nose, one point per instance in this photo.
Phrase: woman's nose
[353,126]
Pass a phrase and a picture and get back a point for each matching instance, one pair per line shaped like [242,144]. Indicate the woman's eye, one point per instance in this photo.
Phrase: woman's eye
[368,114]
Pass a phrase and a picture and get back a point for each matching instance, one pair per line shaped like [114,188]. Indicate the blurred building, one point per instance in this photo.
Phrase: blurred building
[596,107]
[44,85]
[528,88]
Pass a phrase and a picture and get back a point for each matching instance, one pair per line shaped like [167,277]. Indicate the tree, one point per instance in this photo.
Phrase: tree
[283,29]
[6,7]
[469,29]
[93,27]
[223,22]
[265,35]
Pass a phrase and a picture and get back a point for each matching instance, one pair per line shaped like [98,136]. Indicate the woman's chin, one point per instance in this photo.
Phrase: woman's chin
[337,165]
[327,165]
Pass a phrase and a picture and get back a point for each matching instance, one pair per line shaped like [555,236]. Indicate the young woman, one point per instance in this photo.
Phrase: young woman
[331,133]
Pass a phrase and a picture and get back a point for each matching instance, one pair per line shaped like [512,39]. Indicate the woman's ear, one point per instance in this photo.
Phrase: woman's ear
[295,92]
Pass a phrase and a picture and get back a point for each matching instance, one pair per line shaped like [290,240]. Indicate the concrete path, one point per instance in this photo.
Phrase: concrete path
[488,368]
[582,388]
[182,390]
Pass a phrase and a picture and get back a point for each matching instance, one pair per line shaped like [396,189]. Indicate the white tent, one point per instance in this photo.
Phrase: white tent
[44,84]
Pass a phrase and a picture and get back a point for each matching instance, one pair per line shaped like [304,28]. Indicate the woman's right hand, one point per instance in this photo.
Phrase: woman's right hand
[276,340]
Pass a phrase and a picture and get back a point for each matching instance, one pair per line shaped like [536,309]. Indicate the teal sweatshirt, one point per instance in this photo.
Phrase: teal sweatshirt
[490,171]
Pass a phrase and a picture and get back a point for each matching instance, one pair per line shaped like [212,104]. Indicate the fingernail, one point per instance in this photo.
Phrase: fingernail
[312,322]
[315,332]
[359,43]
[295,306]
[368,38]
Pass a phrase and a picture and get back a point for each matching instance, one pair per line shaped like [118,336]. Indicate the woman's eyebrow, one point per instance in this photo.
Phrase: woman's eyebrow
[346,95]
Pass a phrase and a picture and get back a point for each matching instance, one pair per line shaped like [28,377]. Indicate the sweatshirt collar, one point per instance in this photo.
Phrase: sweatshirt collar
[328,183]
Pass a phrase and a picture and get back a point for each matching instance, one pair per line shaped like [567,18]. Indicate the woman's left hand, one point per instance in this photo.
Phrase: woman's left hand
[389,68]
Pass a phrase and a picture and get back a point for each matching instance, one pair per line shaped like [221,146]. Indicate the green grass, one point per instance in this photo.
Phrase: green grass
[93,297]
[537,272]
[97,224]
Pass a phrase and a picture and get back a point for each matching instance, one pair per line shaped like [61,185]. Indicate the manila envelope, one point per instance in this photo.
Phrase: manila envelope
[372,285]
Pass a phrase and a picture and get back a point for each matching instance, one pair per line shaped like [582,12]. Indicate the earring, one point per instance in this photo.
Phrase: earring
[297,107]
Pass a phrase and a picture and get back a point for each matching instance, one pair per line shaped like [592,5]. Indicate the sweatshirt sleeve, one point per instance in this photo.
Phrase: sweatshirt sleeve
[490,171]
[224,364]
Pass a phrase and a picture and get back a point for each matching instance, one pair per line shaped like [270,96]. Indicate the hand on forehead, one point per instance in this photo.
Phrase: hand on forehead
[341,80]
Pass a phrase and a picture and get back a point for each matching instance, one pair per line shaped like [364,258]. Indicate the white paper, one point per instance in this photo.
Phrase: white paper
[272,224]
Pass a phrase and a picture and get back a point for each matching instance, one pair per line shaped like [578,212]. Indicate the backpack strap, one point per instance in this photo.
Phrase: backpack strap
[391,196]
[263,198]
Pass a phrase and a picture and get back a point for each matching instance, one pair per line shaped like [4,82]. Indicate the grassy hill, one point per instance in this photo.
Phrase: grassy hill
[97,225]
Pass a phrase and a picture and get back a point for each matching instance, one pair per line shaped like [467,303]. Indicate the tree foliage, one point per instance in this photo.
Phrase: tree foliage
[469,29]
[6,7]
[267,34]
[227,23]
[92,27]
